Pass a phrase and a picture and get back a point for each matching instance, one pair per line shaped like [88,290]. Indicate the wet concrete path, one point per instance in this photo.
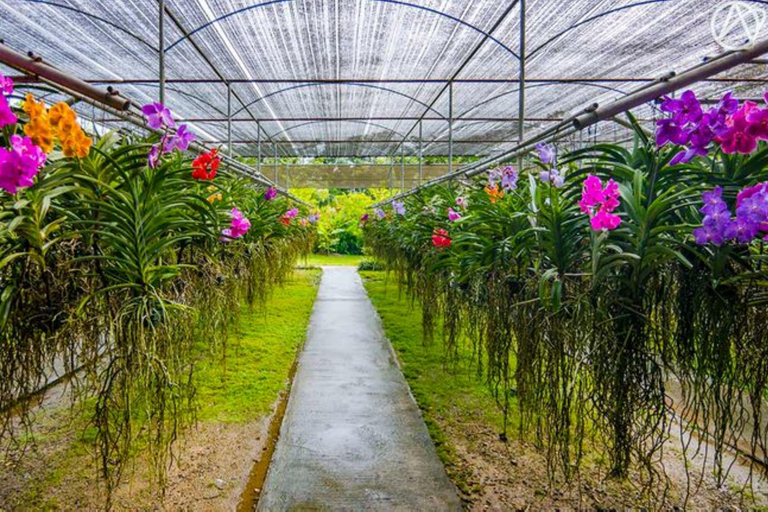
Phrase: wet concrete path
[352,437]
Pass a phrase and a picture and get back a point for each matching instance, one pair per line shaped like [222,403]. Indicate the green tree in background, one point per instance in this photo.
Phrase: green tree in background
[338,230]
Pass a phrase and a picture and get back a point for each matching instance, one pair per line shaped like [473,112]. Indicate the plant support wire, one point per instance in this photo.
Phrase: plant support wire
[593,114]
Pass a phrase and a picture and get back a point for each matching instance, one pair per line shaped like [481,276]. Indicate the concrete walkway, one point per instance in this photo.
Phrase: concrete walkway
[352,437]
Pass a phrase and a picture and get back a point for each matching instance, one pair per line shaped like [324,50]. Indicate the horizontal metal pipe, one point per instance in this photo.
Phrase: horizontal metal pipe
[36,66]
[678,81]
[545,80]
[342,119]
[365,141]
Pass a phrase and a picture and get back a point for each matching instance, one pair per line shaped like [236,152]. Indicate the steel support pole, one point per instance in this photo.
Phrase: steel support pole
[258,146]
[402,168]
[450,127]
[161,49]
[229,119]
[421,159]
[521,87]
[276,169]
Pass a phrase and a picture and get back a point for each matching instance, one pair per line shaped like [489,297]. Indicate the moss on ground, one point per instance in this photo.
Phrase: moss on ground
[449,394]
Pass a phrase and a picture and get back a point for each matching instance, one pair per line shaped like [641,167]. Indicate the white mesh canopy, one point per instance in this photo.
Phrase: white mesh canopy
[354,77]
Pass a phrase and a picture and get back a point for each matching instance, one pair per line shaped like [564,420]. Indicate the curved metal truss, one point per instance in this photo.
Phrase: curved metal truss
[391,78]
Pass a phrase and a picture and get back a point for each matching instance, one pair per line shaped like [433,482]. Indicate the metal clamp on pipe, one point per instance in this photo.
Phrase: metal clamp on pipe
[34,65]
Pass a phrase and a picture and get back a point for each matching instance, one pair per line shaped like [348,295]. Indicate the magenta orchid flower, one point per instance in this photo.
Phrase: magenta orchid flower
[453,215]
[20,164]
[270,194]
[293,212]
[238,227]
[599,202]
[7,117]
[6,85]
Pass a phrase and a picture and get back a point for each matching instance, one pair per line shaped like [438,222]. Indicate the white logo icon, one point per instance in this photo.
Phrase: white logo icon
[737,25]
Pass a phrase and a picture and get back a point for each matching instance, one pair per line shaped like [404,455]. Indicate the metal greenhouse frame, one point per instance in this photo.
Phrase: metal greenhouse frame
[297,80]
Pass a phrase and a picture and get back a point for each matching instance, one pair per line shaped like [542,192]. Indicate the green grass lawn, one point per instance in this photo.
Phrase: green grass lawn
[316,260]
[448,394]
[259,355]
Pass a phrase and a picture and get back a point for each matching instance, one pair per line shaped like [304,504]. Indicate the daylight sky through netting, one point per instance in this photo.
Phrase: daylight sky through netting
[355,77]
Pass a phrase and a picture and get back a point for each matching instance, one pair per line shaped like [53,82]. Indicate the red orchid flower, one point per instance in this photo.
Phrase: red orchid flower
[206,165]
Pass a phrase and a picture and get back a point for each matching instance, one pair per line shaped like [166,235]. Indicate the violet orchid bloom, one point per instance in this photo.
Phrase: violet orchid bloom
[509,178]
[717,219]
[553,177]
[364,218]
[713,201]
[20,164]
[398,207]
[313,218]
[546,153]
[668,131]
[686,155]
[453,215]
[706,235]
[270,194]
[685,110]
[153,156]
[494,175]
[181,140]
[379,213]
[158,116]
[293,212]
[741,230]
[719,113]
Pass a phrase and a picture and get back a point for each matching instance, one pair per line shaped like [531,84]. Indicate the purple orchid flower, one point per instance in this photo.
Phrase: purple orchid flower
[453,215]
[379,213]
[270,194]
[494,175]
[398,207]
[158,116]
[181,140]
[546,153]
[509,178]
[685,110]
[154,156]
